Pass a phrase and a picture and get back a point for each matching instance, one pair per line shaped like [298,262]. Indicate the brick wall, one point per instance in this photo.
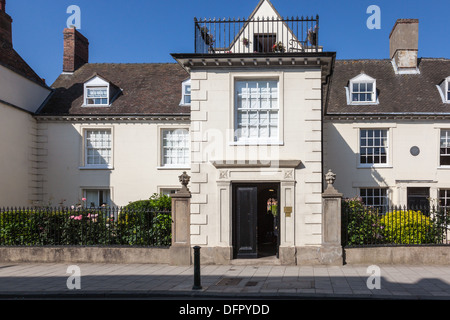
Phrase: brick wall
[76,50]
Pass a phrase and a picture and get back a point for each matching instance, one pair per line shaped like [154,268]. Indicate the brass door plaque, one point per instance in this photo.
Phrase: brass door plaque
[288,211]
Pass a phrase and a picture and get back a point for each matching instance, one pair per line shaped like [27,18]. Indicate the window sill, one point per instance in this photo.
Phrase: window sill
[96,168]
[173,168]
[363,103]
[95,105]
[443,167]
[372,166]
[257,143]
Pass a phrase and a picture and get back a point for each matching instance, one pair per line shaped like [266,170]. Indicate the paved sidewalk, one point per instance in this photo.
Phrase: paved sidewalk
[150,281]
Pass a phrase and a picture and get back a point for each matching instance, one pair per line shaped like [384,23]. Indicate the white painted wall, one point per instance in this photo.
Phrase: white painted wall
[20,91]
[135,173]
[17,132]
[341,152]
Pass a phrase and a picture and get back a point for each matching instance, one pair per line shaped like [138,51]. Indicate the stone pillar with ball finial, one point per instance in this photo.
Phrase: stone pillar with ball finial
[331,249]
[180,250]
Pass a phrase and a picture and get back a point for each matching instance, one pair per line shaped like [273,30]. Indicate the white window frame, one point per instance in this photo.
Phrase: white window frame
[257,140]
[186,84]
[362,79]
[373,197]
[96,83]
[86,165]
[445,198]
[447,140]
[163,164]
[387,148]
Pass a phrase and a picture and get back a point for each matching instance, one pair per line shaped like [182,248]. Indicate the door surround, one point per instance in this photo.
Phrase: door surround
[285,176]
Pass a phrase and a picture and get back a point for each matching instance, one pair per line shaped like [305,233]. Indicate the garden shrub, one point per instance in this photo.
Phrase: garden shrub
[154,212]
[408,227]
[362,223]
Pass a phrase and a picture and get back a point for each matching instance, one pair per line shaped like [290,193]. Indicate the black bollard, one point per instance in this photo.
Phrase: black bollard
[197,285]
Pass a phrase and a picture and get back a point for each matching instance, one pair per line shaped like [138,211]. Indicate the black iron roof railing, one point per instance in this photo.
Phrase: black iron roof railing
[257,35]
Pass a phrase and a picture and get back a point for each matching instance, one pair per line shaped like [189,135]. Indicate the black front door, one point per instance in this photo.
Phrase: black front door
[245,219]
[255,220]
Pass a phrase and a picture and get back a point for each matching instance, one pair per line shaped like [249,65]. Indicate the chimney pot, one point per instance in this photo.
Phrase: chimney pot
[76,50]
[404,44]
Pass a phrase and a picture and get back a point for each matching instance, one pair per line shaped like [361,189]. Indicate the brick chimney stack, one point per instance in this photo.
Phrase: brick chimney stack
[76,50]
[5,26]
[404,44]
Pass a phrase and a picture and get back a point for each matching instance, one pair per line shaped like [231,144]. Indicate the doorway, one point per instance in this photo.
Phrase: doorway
[256,216]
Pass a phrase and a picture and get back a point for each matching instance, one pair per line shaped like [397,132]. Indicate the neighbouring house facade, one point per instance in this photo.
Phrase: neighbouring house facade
[22,93]
[387,125]
[256,116]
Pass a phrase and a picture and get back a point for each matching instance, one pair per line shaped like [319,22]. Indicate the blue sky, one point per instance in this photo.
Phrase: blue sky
[136,31]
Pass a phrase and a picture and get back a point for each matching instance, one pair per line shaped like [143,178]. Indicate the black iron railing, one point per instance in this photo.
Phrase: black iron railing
[394,226]
[84,227]
[258,35]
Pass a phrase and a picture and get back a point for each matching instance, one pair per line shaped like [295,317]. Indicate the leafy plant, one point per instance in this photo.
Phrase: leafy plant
[362,223]
[408,227]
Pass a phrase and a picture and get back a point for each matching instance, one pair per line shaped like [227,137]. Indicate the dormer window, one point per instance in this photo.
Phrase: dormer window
[444,90]
[448,90]
[97,92]
[362,90]
[186,93]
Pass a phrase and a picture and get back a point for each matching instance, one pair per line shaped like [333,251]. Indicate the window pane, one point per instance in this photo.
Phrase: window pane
[363,91]
[175,145]
[373,146]
[445,148]
[98,147]
[97,95]
[97,198]
[375,197]
[256,109]
[444,198]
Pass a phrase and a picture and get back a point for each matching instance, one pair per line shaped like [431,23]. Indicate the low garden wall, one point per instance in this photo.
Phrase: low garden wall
[79,254]
[411,255]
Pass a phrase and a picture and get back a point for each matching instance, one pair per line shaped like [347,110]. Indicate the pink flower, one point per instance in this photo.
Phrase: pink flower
[83,199]
[76,217]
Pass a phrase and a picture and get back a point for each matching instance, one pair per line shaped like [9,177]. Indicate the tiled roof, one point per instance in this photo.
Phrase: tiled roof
[10,59]
[147,89]
[414,93]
